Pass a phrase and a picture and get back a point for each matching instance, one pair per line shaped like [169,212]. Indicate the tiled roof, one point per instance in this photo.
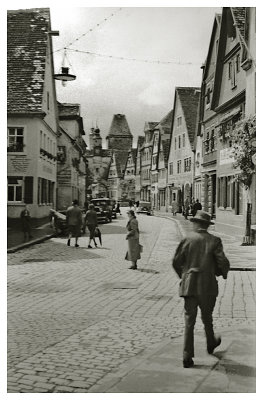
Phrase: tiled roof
[26,57]
[189,98]
[119,126]
[166,122]
[68,110]
[239,14]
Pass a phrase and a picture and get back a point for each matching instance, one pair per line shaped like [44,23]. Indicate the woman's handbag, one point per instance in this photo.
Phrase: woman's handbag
[141,248]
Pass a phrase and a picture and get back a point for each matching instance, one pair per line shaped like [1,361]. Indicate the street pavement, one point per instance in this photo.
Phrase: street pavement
[79,321]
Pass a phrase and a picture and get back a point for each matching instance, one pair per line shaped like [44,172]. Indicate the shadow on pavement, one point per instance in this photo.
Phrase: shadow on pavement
[57,252]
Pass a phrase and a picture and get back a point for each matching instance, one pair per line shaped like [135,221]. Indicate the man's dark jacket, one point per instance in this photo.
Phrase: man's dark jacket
[199,258]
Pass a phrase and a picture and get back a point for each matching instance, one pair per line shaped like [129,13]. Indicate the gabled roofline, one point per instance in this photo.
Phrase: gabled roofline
[216,24]
[221,55]
[172,126]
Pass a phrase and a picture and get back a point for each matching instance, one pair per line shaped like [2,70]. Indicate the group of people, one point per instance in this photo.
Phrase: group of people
[198,260]
[189,207]
[75,222]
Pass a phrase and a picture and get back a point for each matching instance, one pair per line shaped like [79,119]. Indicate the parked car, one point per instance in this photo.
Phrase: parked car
[102,216]
[106,205]
[145,207]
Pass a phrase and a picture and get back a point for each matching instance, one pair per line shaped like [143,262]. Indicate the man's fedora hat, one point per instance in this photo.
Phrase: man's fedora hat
[202,216]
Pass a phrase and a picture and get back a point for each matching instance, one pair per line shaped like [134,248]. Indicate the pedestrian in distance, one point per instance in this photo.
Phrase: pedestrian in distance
[174,207]
[118,210]
[91,221]
[196,206]
[74,222]
[198,260]
[26,223]
[186,207]
[130,204]
[134,249]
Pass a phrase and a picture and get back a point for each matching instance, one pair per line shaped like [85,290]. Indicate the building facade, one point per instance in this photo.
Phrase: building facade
[228,101]
[32,116]
[146,161]
[207,124]
[181,156]
[71,161]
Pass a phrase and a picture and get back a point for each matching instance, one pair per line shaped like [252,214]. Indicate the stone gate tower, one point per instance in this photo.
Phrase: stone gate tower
[119,137]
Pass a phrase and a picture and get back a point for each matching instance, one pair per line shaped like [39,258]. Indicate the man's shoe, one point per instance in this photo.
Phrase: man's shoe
[68,243]
[188,363]
[76,245]
[132,267]
[210,350]
[89,247]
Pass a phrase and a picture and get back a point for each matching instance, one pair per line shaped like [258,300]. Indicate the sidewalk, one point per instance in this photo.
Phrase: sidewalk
[232,368]
[242,258]
[15,237]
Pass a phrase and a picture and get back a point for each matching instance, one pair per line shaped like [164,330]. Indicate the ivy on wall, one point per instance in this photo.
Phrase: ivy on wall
[243,138]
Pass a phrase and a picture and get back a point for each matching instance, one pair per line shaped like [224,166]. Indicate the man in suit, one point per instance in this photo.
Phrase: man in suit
[74,222]
[199,258]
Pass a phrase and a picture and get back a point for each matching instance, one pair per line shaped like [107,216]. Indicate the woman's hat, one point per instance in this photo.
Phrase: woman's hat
[202,216]
[131,212]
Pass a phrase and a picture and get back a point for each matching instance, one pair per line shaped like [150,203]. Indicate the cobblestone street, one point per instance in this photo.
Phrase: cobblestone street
[77,314]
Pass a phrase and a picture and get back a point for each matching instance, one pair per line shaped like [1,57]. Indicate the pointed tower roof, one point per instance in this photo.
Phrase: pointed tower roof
[119,126]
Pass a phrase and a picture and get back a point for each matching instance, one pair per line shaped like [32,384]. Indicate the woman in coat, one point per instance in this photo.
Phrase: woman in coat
[133,253]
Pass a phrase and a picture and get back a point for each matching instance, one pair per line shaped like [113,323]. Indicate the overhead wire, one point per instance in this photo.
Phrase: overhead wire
[131,59]
[90,30]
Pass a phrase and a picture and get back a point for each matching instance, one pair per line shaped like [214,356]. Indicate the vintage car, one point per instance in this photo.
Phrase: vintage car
[145,207]
[102,216]
[106,205]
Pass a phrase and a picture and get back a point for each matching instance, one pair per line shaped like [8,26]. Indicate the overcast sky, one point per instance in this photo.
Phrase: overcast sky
[141,91]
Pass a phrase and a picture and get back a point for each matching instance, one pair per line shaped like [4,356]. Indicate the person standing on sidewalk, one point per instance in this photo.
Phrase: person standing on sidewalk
[199,258]
[134,249]
[196,206]
[26,223]
[92,223]
[74,222]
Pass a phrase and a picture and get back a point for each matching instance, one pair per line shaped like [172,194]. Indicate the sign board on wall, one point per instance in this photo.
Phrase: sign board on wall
[19,164]
[226,156]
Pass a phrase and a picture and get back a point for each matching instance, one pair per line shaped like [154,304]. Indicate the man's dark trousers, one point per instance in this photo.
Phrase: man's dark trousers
[206,304]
